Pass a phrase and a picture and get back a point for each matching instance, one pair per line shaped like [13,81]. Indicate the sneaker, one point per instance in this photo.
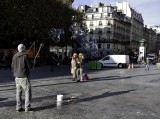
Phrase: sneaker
[20,110]
[29,110]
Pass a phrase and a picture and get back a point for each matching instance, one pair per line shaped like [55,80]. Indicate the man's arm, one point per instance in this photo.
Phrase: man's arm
[12,64]
[28,65]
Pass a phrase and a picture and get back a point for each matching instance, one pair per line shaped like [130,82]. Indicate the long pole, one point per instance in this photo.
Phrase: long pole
[34,61]
[31,47]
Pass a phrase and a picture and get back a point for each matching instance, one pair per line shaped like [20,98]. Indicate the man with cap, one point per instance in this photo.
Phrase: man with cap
[20,67]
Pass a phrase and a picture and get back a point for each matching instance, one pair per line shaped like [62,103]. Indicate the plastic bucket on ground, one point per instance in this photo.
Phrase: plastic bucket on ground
[59,98]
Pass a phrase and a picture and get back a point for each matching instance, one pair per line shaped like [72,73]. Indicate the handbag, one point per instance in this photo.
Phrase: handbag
[72,70]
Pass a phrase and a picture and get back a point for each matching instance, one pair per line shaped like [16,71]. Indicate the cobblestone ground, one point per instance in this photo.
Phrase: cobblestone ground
[110,93]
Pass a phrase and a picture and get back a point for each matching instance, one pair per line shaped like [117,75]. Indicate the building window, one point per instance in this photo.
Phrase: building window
[109,30]
[92,16]
[89,16]
[99,46]
[108,52]
[109,22]
[91,30]
[84,24]
[100,38]
[100,30]
[108,46]
[101,15]
[100,23]
[91,23]
[96,9]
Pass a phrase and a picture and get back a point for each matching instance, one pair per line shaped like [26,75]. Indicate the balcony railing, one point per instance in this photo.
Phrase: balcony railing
[96,17]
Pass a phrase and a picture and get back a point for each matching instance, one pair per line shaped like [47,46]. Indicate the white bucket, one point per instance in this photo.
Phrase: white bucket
[59,98]
[59,105]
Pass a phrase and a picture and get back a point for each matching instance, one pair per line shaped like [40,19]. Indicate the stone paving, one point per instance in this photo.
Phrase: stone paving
[110,93]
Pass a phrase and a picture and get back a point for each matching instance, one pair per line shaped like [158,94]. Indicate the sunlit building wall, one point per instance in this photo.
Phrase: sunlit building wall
[109,26]
[136,33]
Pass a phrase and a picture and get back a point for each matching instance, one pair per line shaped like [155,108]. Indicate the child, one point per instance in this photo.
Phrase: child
[147,64]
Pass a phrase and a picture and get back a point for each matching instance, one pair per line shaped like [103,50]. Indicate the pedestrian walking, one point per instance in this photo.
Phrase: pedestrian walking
[52,61]
[131,60]
[20,67]
[147,64]
[80,66]
[139,60]
[74,66]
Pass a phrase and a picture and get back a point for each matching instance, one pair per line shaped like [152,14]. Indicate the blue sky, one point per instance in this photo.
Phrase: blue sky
[150,9]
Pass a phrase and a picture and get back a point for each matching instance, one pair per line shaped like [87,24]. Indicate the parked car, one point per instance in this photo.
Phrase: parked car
[115,61]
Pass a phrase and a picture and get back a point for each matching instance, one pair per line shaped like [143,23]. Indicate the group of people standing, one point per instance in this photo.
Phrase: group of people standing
[140,60]
[20,67]
[77,66]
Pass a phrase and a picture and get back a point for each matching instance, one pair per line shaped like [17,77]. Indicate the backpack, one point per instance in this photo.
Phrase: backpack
[85,76]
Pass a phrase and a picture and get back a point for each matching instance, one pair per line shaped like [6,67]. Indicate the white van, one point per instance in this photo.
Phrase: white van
[115,61]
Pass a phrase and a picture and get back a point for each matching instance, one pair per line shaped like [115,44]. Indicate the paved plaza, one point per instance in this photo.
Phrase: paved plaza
[110,93]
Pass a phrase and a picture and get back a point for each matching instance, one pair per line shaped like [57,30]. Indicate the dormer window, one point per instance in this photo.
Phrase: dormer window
[91,24]
[96,9]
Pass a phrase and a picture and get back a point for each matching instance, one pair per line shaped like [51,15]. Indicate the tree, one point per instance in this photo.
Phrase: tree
[32,19]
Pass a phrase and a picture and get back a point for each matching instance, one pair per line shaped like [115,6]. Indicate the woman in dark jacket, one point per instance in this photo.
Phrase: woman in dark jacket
[131,59]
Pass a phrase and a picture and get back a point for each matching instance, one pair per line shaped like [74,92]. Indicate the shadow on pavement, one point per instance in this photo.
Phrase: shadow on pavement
[44,107]
[108,78]
[13,102]
[104,95]
[90,80]
[65,103]
[8,89]
[118,77]
[2,99]
[39,99]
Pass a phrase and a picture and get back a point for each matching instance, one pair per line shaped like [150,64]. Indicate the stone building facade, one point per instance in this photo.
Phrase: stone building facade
[119,28]
[109,26]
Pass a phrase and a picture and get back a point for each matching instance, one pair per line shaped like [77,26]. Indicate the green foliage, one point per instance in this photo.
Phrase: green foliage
[32,19]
